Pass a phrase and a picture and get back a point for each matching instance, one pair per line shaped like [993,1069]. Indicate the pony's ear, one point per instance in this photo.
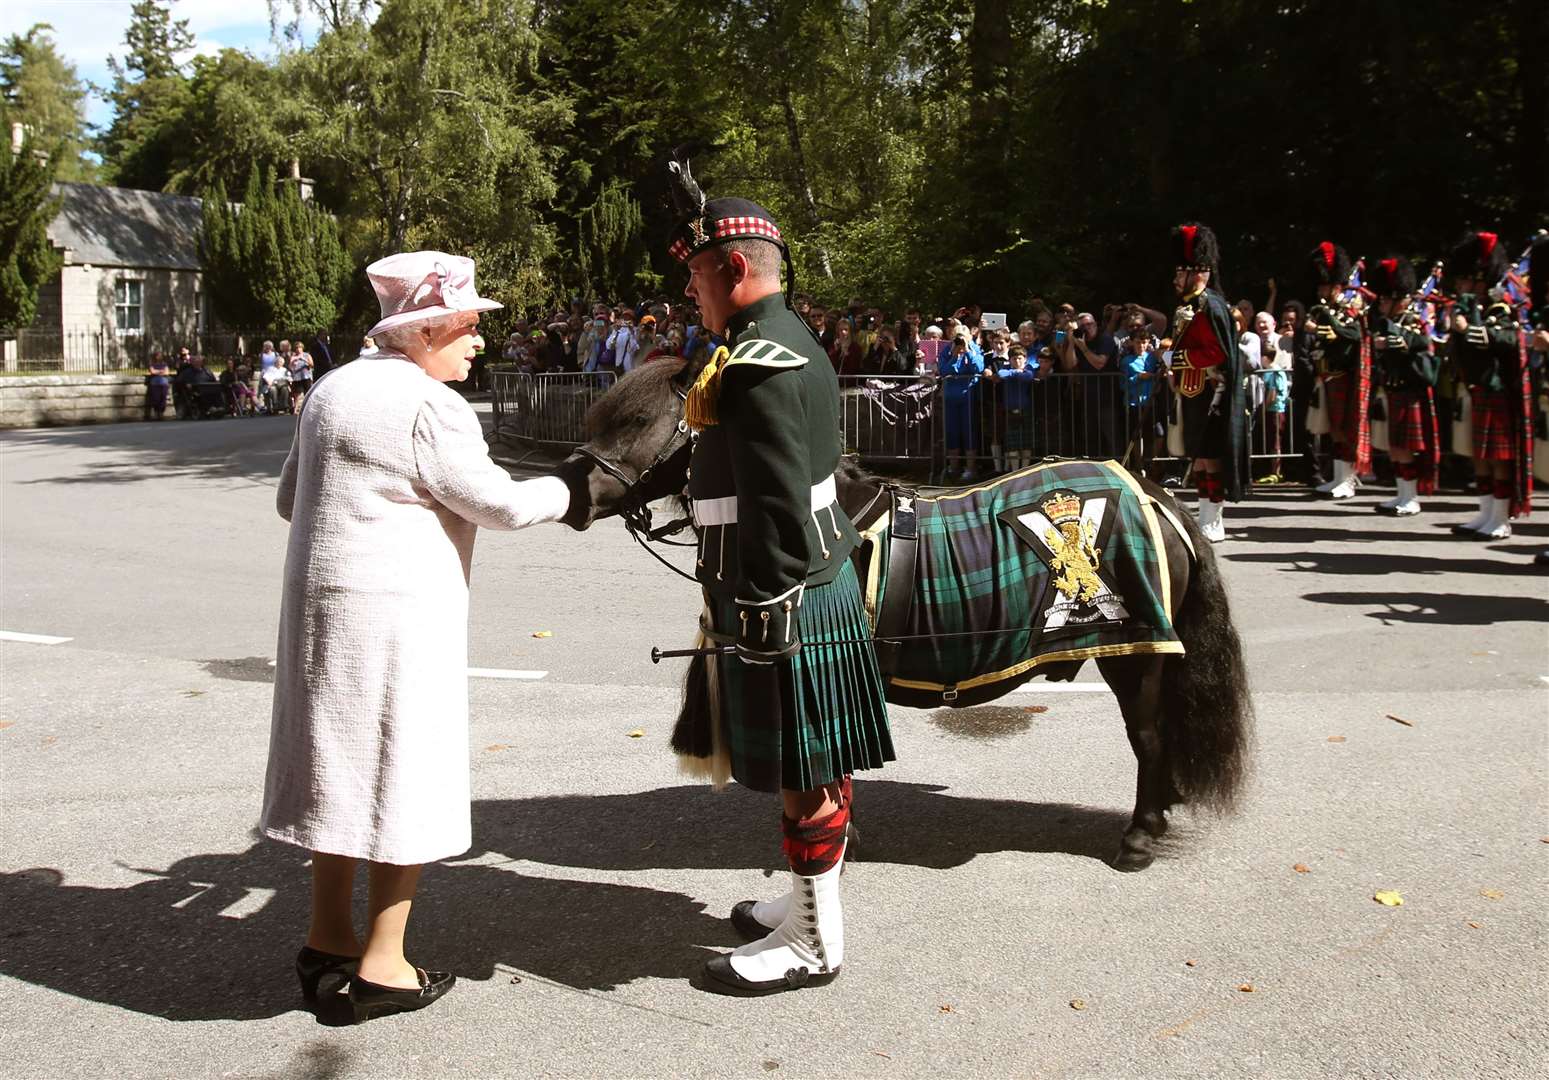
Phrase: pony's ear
[691,368]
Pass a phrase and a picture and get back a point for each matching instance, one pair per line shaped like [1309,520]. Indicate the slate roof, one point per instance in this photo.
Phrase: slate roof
[110,226]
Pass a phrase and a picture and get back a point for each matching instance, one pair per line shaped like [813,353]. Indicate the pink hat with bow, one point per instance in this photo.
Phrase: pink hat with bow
[415,286]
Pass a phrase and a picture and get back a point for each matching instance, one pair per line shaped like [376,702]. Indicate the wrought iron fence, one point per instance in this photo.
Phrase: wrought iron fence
[103,350]
[980,425]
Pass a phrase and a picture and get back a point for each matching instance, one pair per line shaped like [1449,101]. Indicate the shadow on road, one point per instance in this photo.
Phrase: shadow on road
[1374,563]
[214,935]
[1445,609]
[222,449]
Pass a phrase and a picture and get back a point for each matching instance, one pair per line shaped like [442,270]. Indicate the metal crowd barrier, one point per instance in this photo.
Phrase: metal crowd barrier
[544,408]
[907,421]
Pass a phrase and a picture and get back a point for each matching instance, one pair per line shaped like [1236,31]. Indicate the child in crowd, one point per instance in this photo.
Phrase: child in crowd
[1015,380]
[1277,388]
[1141,366]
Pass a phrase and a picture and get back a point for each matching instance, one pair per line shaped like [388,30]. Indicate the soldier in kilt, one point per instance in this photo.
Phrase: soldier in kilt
[1208,376]
[1490,352]
[1342,354]
[1407,368]
[801,699]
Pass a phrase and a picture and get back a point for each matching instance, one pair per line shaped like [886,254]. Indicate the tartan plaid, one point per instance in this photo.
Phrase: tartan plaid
[974,573]
[1412,425]
[817,717]
[1348,399]
[1495,435]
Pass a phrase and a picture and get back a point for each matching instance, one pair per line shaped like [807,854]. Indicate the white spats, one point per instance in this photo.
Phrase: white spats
[1474,524]
[1408,501]
[1345,481]
[1498,526]
[810,937]
[1211,522]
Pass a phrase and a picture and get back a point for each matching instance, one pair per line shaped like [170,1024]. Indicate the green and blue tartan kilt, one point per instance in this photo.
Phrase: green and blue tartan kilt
[817,717]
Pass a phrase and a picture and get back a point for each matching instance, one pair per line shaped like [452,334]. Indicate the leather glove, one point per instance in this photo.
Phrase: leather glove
[769,630]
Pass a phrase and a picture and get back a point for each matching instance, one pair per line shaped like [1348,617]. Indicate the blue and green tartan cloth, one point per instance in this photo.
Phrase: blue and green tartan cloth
[1063,561]
[816,717]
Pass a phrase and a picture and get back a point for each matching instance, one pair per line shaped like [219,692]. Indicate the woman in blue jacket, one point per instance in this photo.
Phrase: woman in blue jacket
[959,370]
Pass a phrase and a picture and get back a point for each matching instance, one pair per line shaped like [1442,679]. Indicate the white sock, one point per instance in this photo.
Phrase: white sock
[1486,511]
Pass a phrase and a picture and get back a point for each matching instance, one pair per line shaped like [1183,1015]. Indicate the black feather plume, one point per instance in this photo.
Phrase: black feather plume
[685,189]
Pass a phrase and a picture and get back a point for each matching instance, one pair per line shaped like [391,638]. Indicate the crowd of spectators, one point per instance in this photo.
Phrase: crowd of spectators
[274,386]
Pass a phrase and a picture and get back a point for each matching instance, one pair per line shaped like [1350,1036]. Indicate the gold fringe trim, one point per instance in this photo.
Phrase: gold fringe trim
[699,409]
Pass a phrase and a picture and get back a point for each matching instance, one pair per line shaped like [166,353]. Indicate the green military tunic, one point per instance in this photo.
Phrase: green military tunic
[802,700]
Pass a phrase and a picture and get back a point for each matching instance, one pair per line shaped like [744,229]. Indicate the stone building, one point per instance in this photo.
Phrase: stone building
[130,282]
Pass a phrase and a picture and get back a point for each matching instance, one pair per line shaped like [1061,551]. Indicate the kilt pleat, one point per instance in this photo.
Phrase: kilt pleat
[1495,437]
[821,715]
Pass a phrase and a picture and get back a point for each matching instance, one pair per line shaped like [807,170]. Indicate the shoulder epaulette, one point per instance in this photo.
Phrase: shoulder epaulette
[761,352]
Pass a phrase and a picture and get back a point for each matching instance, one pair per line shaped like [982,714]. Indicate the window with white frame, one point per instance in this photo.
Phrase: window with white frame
[128,302]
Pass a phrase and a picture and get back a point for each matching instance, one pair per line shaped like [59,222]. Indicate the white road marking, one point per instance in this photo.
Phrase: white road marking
[33,639]
[490,672]
[1062,688]
[504,673]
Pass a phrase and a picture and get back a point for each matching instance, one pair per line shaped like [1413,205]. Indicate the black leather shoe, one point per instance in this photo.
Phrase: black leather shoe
[1541,560]
[748,926]
[369,999]
[314,965]
[723,979]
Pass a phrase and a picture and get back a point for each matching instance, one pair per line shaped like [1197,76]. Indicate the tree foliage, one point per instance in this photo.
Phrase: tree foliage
[924,151]
[275,260]
[27,259]
[42,91]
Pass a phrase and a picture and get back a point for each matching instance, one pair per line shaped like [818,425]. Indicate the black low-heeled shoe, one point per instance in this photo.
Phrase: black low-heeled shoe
[314,965]
[369,999]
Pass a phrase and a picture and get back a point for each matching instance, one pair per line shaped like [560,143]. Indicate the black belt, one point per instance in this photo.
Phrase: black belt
[898,595]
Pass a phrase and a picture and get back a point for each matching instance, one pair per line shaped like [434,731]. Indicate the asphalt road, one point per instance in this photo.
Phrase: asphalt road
[144,931]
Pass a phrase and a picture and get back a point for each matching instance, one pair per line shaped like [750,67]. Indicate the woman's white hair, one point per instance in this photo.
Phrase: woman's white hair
[410,338]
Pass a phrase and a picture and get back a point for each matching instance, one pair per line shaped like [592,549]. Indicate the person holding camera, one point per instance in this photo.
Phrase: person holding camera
[885,358]
[960,369]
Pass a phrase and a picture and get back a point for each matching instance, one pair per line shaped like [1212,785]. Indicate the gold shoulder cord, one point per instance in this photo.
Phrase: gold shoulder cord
[700,407]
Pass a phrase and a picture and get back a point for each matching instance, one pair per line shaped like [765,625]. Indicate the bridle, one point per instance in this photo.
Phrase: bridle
[633,507]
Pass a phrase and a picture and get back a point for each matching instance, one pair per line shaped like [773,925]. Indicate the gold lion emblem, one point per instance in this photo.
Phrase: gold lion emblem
[1072,545]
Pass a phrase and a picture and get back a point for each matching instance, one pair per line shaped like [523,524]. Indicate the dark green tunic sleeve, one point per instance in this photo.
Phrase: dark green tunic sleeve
[765,420]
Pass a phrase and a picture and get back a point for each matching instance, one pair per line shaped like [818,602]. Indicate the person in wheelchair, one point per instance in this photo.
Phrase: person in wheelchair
[187,396]
[276,386]
[240,398]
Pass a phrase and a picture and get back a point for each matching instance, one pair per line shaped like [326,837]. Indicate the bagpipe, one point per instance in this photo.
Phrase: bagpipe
[1353,299]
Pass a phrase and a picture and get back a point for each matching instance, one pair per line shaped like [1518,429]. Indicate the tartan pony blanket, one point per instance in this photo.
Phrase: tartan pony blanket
[1052,565]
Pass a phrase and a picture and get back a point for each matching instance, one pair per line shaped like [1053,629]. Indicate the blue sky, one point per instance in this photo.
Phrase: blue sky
[87,31]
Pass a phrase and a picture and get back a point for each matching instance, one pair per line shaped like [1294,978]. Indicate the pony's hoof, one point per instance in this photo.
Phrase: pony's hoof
[1131,860]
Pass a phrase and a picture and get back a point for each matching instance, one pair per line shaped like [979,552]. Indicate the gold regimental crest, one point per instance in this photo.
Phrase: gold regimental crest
[696,228]
[1072,544]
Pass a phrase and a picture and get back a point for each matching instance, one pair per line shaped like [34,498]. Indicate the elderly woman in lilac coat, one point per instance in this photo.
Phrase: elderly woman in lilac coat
[386,484]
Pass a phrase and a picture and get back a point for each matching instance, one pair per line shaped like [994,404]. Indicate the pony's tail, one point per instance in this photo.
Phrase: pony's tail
[1207,724]
[698,738]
